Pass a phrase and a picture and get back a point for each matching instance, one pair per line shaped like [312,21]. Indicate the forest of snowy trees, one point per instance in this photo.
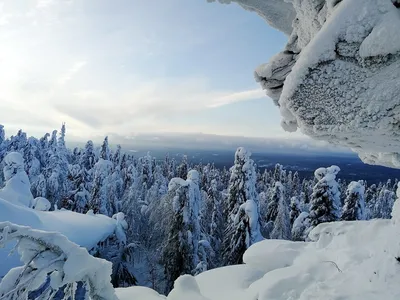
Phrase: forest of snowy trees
[183,218]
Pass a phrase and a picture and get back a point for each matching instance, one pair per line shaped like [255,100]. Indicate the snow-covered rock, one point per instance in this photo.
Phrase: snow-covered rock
[41,203]
[337,78]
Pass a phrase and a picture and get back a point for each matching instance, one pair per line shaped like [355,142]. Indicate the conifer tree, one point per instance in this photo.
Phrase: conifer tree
[282,226]
[295,209]
[183,168]
[384,203]
[325,197]
[217,220]
[243,228]
[100,197]
[105,150]
[277,194]
[88,158]
[354,205]
[180,255]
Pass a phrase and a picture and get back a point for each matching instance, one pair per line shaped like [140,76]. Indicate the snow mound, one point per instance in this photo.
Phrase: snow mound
[84,230]
[344,260]
[138,292]
[41,203]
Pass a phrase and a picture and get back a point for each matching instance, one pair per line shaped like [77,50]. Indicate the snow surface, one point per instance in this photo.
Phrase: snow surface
[344,260]
[84,230]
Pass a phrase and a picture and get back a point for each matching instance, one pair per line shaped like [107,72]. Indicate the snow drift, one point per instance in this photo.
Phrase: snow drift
[337,78]
[344,260]
[84,230]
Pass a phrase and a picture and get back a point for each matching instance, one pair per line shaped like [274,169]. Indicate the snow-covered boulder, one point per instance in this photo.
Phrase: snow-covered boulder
[337,77]
[41,203]
[186,287]
[18,188]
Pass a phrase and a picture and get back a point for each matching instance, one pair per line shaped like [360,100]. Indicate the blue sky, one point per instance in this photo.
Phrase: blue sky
[127,66]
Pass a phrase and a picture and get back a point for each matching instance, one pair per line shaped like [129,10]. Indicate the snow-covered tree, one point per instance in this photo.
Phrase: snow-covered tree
[354,205]
[282,226]
[100,200]
[18,187]
[296,184]
[117,156]
[180,254]
[243,228]
[301,227]
[217,219]
[116,250]
[295,209]
[396,207]
[278,172]
[384,203]
[278,193]
[105,151]
[2,134]
[88,158]
[183,168]
[371,196]
[325,199]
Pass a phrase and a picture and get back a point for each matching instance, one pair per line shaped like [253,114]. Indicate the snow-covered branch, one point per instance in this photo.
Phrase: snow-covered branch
[52,263]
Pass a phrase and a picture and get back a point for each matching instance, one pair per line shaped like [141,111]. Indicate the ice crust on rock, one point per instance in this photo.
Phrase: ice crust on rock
[337,79]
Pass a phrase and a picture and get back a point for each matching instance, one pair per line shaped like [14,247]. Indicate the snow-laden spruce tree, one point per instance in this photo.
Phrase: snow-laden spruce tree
[384,203]
[31,158]
[100,197]
[88,158]
[371,196]
[396,207]
[243,226]
[183,168]
[180,254]
[282,226]
[18,187]
[2,134]
[354,204]
[325,199]
[56,172]
[105,152]
[296,184]
[295,208]
[277,194]
[117,251]
[217,220]
[301,227]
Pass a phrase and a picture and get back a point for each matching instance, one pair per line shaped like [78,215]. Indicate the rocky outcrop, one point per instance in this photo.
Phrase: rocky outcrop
[338,77]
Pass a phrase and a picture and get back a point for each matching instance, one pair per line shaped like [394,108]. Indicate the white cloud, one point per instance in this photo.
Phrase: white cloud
[76,67]
[237,97]
[146,102]
[45,79]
